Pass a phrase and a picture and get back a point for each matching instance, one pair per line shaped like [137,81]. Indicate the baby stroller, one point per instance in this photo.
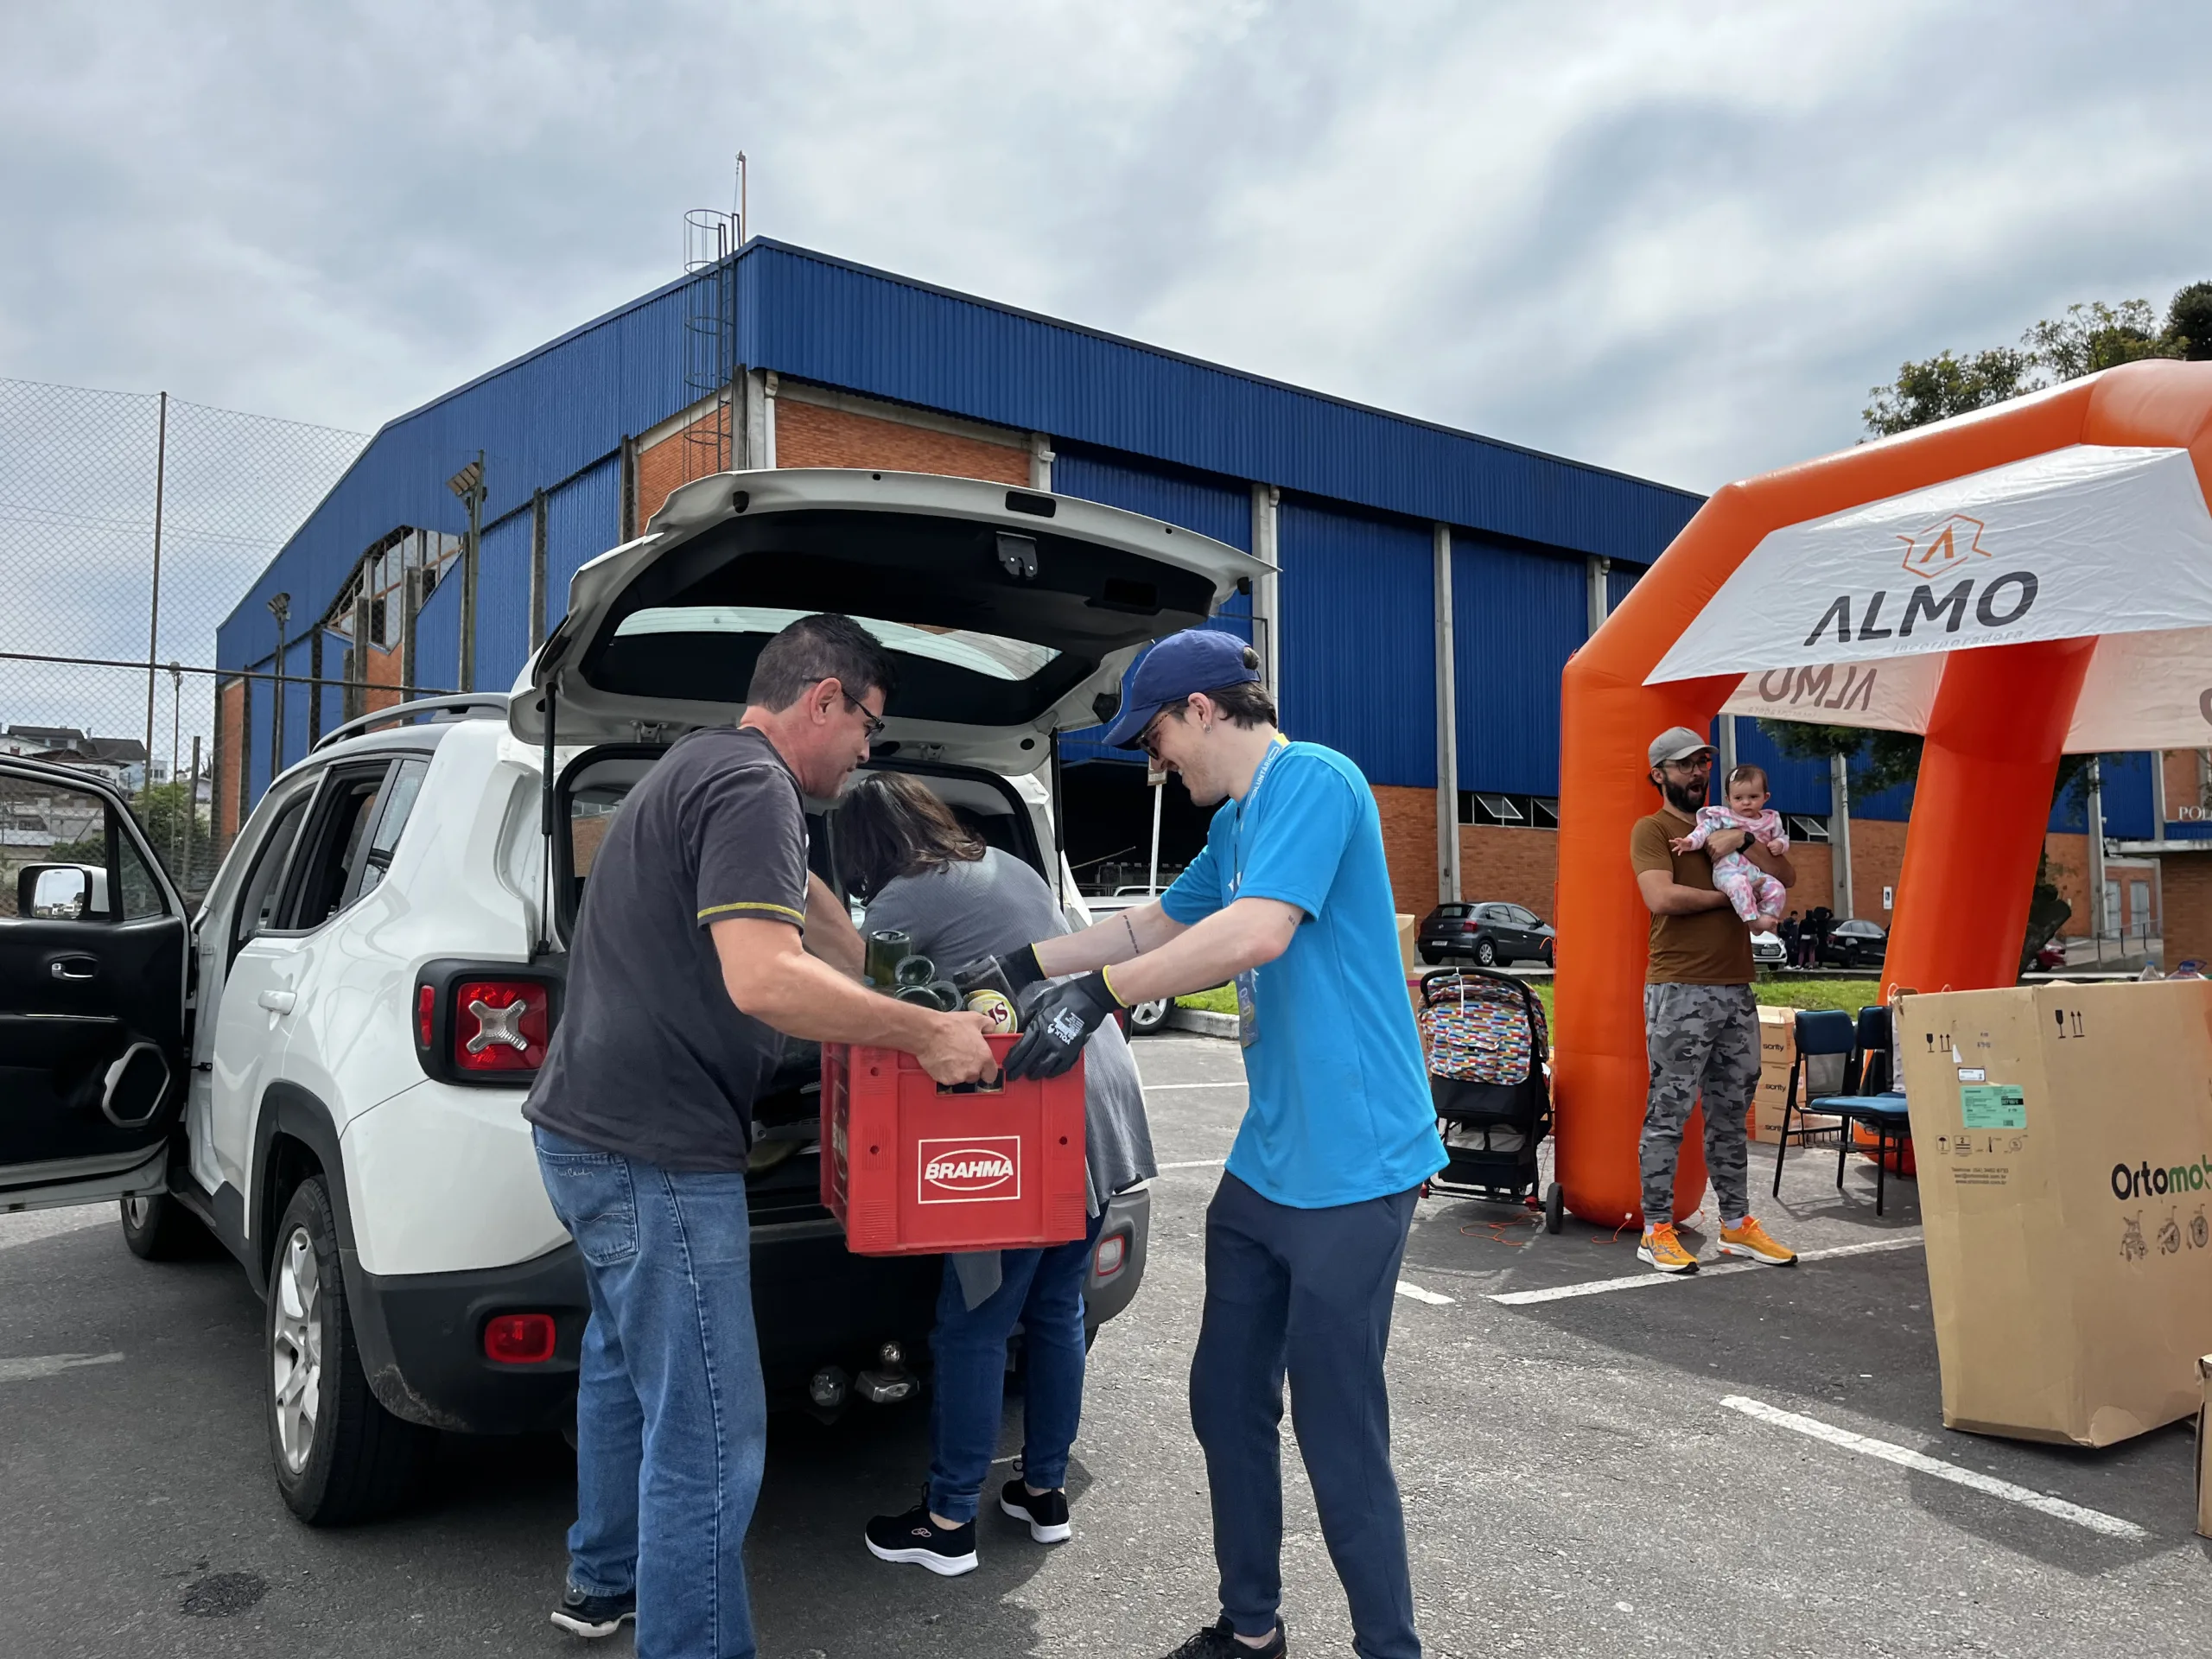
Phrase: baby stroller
[1484,1040]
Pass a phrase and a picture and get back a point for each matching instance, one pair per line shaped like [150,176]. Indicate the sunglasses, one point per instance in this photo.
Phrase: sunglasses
[1150,742]
[875,722]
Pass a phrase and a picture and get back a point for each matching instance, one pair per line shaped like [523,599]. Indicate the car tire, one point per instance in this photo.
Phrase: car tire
[1145,1017]
[1486,954]
[159,1229]
[1428,958]
[340,1457]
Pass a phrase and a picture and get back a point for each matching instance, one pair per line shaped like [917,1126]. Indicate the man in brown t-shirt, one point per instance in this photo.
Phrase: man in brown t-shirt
[1701,1025]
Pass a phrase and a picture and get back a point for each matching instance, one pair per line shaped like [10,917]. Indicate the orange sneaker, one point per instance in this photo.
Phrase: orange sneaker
[1751,1239]
[1664,1251]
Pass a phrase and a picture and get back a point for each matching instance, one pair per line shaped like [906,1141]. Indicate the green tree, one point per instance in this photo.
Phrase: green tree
[2189,322]
[2097,336]
[1946,385]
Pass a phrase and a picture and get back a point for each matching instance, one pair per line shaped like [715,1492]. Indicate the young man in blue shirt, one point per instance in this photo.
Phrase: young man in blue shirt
[1291,899]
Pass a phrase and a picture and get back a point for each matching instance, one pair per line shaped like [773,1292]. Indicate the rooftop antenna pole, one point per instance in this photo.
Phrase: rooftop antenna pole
[744,218]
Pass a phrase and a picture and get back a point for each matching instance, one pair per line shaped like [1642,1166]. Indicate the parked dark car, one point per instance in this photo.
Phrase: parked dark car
[1490,932]
[1854,945]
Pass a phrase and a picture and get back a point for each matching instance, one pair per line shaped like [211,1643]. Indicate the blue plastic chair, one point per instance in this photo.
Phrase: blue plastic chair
[1834,1061]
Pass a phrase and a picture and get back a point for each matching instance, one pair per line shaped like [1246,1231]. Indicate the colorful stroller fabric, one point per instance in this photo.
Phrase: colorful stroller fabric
[1480,1031]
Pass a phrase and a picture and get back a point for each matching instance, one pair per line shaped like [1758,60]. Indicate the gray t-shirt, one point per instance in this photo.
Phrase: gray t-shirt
[988,907]
[651,1059]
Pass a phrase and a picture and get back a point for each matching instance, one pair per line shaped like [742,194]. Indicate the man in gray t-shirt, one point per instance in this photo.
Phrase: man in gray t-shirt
[703,942]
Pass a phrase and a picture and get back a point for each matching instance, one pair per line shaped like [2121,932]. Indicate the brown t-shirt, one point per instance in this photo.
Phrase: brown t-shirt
[1704,947]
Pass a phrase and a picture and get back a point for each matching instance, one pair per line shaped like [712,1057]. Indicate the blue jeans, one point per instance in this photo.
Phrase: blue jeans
[672,1422]
[1043,1289]
[1305,1292]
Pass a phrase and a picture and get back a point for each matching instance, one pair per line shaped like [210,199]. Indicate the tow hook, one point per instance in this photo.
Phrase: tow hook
[890,1380]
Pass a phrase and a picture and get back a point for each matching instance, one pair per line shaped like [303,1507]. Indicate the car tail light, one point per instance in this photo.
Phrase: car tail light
[499,1024]
[1112,1252]
[519,1338]
[426,1015]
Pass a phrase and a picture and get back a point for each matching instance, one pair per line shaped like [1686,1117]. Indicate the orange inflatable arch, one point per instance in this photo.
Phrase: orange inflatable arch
[1992,745]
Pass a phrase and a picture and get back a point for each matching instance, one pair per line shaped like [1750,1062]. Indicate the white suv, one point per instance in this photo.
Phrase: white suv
[325,1070]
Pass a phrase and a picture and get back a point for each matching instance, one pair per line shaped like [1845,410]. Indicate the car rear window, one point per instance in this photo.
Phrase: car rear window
[991,655]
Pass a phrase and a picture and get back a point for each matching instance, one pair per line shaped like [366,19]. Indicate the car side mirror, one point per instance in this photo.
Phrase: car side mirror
[59,893]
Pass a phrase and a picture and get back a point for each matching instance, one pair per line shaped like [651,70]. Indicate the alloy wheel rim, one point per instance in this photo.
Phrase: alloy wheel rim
[295,1349]
[136,1209]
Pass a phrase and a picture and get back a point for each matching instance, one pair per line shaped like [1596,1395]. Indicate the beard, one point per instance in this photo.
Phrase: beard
[1685,798]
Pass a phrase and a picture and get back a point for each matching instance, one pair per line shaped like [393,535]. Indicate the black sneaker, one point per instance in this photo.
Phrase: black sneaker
[1045,1512]
[594,1615]
[913,1537]
[1218,1640]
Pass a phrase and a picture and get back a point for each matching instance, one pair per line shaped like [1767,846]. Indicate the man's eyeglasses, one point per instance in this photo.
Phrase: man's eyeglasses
[876,722]
[1150,742]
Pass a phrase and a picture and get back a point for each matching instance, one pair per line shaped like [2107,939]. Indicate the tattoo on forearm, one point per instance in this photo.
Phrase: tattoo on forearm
[1129,927]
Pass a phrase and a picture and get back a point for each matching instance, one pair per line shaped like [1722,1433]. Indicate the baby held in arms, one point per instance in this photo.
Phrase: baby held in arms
[1758,897]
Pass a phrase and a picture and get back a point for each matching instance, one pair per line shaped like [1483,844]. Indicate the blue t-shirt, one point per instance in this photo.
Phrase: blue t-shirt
[1340,1109]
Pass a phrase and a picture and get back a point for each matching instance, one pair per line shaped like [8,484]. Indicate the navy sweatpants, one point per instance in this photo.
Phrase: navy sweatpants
[1308,1293]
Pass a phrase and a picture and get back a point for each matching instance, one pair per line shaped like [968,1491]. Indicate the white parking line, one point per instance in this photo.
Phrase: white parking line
[38,1365]
[1911,1241]
[1420,1295]
[2096,1520]
[1151,1087]
[1197,1163]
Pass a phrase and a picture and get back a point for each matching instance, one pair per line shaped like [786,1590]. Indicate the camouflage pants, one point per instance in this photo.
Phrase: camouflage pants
[1702,1040]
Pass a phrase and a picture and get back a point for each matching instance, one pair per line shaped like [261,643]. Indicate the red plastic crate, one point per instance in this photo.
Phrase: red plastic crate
[909,1168]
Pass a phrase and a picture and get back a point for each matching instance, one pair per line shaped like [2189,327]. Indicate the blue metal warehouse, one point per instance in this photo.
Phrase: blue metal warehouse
[1380,524]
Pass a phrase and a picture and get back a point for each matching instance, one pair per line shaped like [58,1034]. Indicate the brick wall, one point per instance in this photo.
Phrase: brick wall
[2187,878]
[808,435]
[1877,857]
[1409,844]
[2067,862]
[1520,866]
[661,467]
[230,745]
[2184,779]
[383,669]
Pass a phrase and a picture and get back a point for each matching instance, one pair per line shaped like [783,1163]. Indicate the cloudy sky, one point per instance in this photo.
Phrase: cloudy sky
[1680,239]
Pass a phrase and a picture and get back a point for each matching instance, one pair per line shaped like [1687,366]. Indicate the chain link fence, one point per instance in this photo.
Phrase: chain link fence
[130,524]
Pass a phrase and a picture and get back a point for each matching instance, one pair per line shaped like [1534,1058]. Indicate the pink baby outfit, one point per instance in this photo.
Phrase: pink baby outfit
[1751,889]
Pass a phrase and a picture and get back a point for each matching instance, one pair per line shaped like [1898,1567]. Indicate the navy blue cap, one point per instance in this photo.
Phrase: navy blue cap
[1196,659]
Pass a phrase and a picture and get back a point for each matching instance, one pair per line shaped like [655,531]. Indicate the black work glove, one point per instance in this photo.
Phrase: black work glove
[1058,1024]
[1009,975]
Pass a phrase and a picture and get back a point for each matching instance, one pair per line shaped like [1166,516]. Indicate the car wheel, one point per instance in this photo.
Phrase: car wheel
[1486,954]
[1145,1017]
[339,1456]
[1428,958]
[159,1229]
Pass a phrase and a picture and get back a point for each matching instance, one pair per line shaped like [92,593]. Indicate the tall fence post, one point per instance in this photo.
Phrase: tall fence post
[154,610]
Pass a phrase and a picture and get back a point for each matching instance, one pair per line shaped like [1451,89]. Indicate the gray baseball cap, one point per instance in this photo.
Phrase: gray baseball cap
[1677,743]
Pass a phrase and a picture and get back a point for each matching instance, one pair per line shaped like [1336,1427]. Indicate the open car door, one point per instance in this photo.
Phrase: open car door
[93,949]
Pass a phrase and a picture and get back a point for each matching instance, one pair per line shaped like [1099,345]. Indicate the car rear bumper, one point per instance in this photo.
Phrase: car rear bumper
[814,1303]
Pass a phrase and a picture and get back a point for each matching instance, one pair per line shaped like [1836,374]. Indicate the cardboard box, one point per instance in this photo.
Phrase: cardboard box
[1777,1052]
[2204,1461]
[1407,926]
[2067,1202]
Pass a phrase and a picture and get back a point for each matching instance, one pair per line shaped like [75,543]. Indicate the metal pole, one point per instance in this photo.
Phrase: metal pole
[192,813]
[536,569]
[154,611]
[1727,750]
[468,563]
[1158,790]
[2096,828]
[177,714]
[1599,599]
[1266,592]
[1448,723]
[280,608]
[1840,836]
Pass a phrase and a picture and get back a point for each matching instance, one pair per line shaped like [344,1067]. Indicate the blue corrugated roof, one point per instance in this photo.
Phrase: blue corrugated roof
[566,405]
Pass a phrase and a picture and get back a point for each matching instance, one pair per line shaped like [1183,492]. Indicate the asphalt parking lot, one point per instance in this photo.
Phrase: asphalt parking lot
[1718,1466]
